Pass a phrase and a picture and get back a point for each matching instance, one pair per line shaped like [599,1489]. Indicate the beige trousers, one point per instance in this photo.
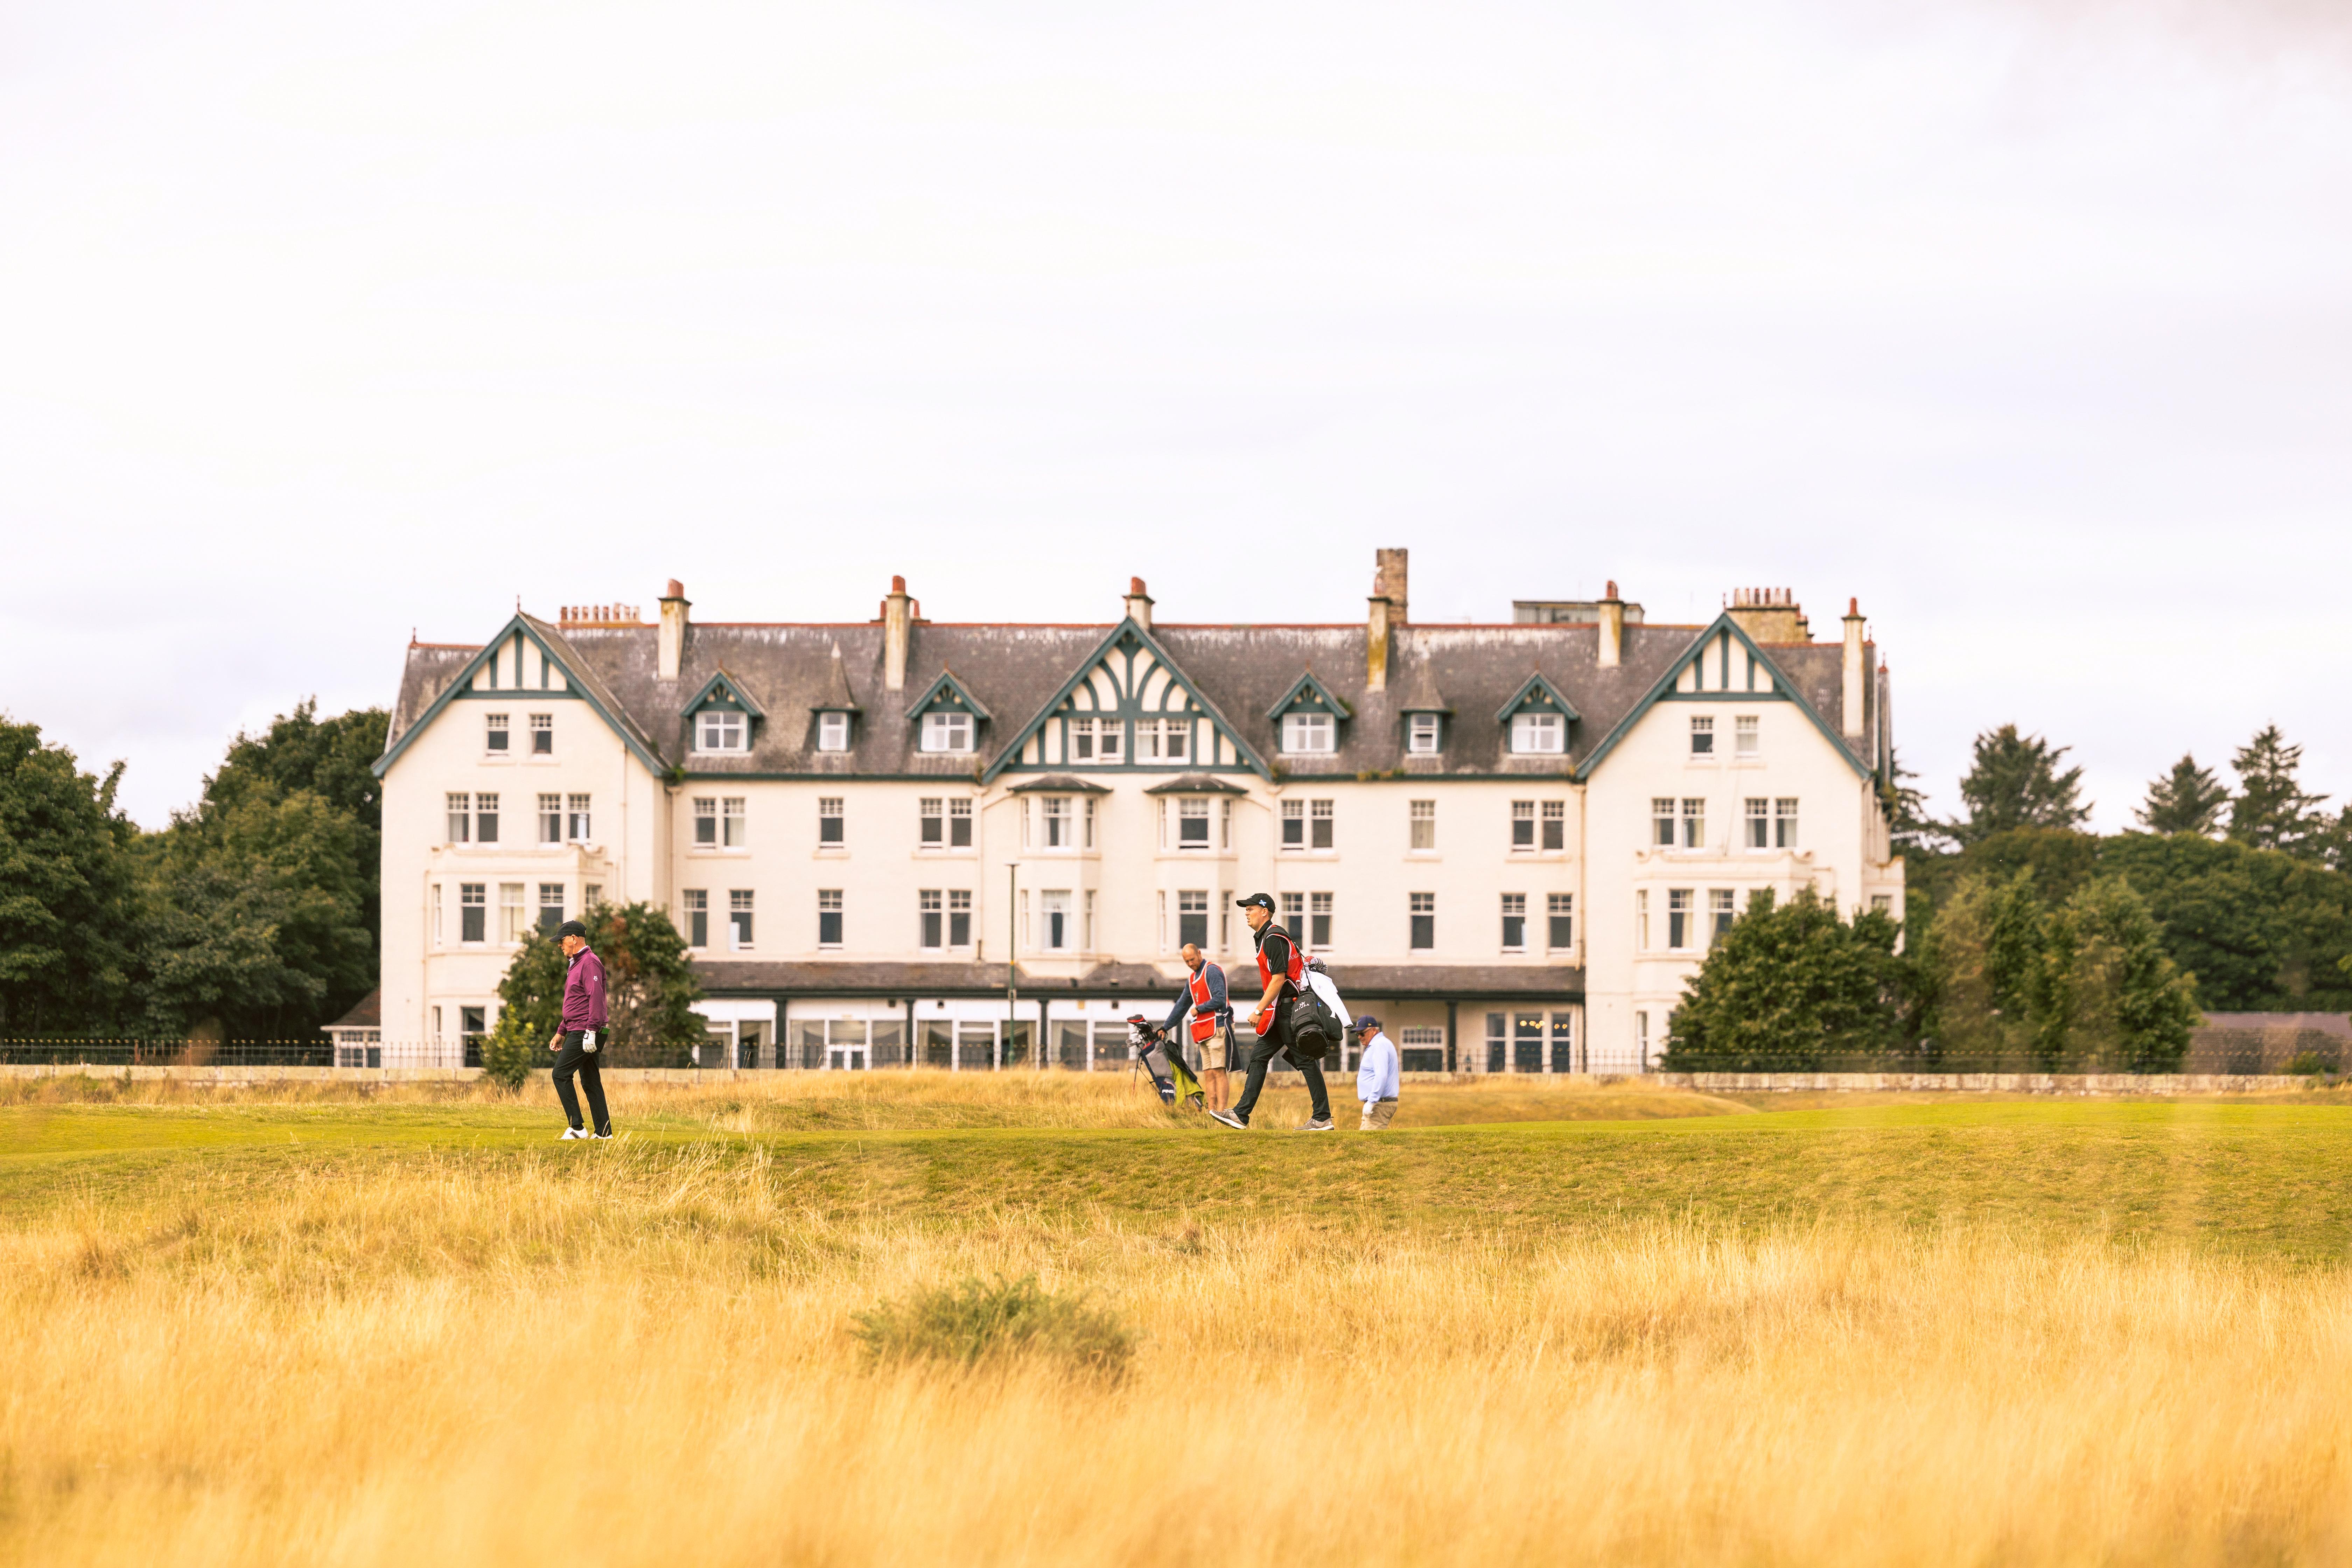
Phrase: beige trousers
[1377,1114]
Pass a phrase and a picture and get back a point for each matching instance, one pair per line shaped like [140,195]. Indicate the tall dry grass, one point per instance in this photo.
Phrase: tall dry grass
[646,1358]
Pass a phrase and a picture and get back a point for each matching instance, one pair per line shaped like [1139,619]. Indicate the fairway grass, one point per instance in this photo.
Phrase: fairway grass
[278,1328]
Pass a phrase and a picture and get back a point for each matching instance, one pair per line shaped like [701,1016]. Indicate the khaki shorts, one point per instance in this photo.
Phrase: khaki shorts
[1215,1049]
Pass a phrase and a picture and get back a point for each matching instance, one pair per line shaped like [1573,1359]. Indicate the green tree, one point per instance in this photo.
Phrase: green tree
[1790,987]
[2189,799]
[649,987]
[2272,812]
[1989,942]
[332,759]
[1912,831]
[2083,986]
[2260,929]
[2014,781]
[254,918]
[66,904]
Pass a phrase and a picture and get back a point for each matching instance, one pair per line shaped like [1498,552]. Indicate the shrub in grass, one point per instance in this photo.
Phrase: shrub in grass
[2311,1062]
[510,1050]
[977,1319]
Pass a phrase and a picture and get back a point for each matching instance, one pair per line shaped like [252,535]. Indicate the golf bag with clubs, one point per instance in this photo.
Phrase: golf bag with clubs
[1171,1078]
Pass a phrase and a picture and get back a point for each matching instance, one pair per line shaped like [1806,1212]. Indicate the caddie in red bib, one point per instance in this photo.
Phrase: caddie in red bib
[1211,1026]
[1281,972]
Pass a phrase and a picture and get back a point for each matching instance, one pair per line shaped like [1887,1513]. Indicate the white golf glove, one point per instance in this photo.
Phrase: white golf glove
[588,1040]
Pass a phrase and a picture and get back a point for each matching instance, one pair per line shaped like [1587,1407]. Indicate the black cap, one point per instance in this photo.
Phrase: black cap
[1262,901]
[572,928]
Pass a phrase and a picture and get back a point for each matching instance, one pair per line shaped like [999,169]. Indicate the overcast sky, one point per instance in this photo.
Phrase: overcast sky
[2029,326]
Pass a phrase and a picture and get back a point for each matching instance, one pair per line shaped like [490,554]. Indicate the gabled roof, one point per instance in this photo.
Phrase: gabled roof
[1126,630]
[1306,685]
[723,688]
[1536,691]
[1234,674]
[947,692]
[579,674]
[1783,689]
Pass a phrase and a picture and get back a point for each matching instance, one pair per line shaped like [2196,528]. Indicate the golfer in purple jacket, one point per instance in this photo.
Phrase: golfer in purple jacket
[580,1035]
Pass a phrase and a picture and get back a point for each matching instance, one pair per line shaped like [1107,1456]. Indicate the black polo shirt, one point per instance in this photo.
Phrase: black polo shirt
[1274,946]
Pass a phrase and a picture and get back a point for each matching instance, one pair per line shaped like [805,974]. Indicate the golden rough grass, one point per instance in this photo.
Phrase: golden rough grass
[643,1357]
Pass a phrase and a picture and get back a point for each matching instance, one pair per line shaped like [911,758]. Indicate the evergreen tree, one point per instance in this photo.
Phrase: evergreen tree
[1790,987]
[2272,812]
[1989,940]
[1914,832]
[2014,781]
[649,991]
[2189,799]
[2086,986]
[66,902]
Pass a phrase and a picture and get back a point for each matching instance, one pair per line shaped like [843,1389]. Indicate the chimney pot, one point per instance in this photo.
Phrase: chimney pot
[1135,586]
[1612,588]
[897,584]
[1138,603]
[677,590]
[1854,606]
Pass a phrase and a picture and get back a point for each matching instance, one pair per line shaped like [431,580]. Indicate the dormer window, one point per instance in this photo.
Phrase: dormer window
[1309,734]
[719,729]
[1422,736]
[1539,734]
[946,732]
[833,731]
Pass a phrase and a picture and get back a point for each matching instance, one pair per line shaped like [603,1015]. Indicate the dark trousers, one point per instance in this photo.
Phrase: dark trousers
[572,1060]
[1274,1041]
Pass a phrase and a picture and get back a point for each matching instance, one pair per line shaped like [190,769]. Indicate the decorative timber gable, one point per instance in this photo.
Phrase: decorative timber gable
[528,658]
[1128,707]
[1722,664]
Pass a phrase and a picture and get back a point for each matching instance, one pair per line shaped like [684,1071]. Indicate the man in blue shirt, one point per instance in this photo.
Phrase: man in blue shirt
[1376,1077]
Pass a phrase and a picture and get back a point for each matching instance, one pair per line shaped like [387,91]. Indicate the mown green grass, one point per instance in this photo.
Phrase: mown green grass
[2273,1179]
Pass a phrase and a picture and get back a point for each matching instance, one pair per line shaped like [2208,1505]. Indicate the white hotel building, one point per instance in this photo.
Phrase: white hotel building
[963,844]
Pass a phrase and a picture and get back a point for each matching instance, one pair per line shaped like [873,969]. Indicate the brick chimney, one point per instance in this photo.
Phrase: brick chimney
[1138,603]
[1611,630]
[1856,671]
[674,607]
[1388,583]
[897,626]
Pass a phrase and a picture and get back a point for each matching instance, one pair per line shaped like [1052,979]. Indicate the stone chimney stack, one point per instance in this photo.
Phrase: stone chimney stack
[674,607]
[1856,671]
[1376,644]
[1388,583]
[1611,629]
[897,626]
[1138,603]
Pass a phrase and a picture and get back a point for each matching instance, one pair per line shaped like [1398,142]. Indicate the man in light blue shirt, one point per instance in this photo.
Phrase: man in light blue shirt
[1375,1076]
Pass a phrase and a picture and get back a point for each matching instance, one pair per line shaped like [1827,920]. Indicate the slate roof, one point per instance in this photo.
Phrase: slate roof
[1015,669]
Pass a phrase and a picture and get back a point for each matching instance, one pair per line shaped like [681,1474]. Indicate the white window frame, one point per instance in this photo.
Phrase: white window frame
[833,731]
[1746,736]
[1702,735]
[721,729]
[551,817]
[1538,733]
[498,734]
[706,809]
[947,733]
[1757,815]
[1053,903]
[1784,821]
[1424,734]
[1309,734]
[1515,907]
[734,822]
[1054,813]
[1418,813]
[743,935]
[1192,809]
[460,824]
[579,819]
[1664,831]
[1559,906]
[1693,822]
[542,725]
